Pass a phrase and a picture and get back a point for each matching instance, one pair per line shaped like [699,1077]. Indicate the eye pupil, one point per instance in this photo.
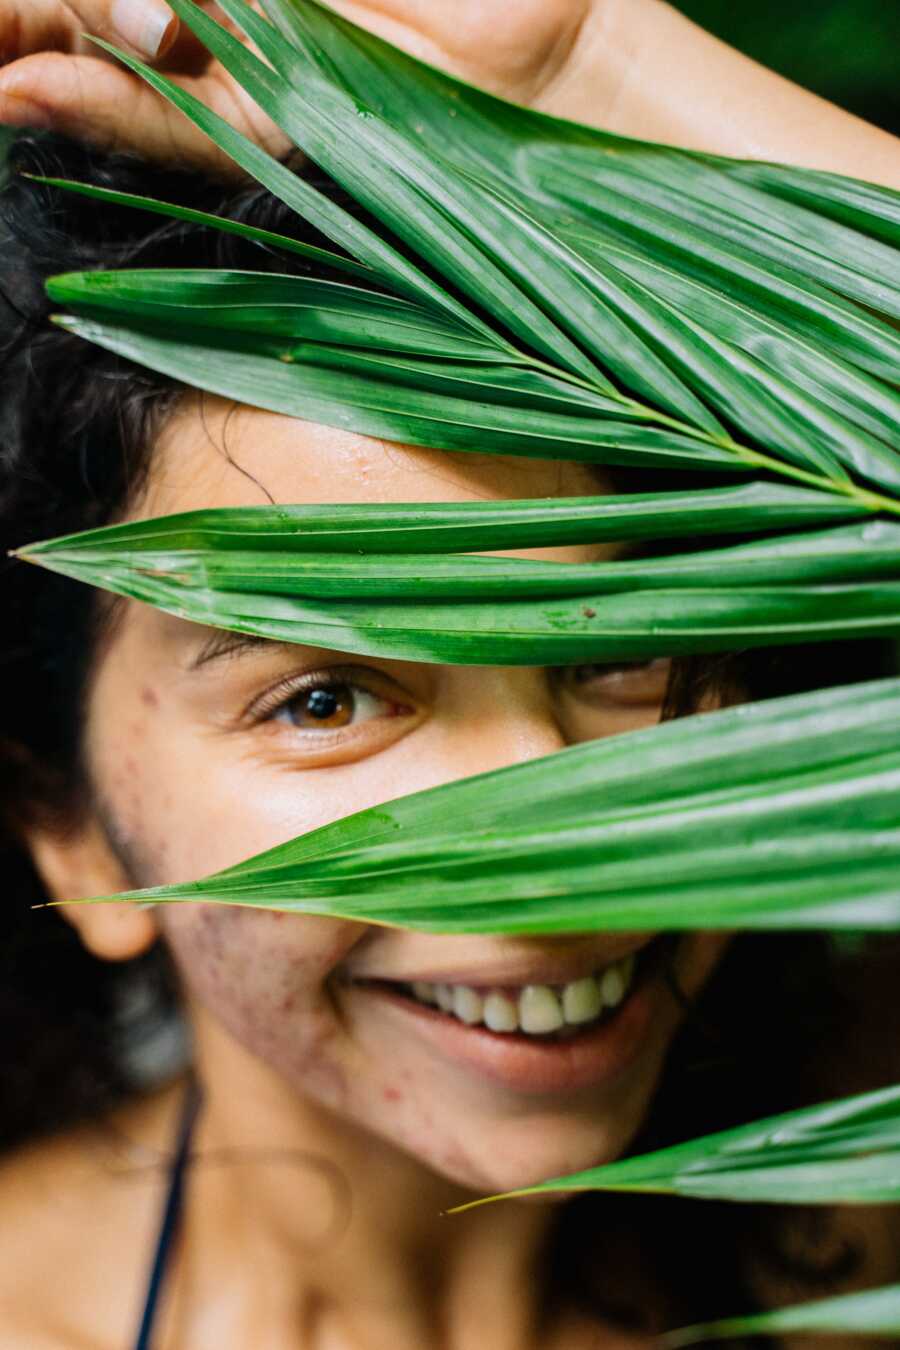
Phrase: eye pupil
[325,707]
[322,704]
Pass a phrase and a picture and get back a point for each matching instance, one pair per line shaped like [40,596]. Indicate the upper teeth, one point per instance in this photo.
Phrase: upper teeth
[537,1008]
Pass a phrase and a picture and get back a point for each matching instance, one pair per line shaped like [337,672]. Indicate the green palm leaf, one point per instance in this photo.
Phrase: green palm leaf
[868,402]
[322,257]
[521,145]
[837,557]
[872,210]
[871,1312]
[385,261]
[507,610]
[406,190]
[276,306]
[732,244]
[370,402]
[535,287]
[544,292]
[838,1152]
[653,830]
[455,527]
[544,286]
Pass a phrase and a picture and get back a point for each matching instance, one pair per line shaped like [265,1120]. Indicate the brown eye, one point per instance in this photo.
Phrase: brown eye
[328,707]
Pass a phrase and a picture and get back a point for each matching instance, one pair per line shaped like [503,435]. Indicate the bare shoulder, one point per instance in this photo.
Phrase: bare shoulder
[79,1218]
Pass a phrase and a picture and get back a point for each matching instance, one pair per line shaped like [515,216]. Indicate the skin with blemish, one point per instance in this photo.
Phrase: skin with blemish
[193,769]
[241,965]
[334,1186]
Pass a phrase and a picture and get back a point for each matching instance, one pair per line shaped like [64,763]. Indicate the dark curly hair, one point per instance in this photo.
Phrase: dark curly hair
[77,427]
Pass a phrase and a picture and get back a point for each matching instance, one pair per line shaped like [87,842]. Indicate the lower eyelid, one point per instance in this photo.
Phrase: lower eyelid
[301,740]
[298,753]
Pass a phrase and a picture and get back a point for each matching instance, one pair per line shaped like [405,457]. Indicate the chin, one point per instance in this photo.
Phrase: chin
[508,1146]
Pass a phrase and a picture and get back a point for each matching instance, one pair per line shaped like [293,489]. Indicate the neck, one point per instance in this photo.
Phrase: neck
[347,1237]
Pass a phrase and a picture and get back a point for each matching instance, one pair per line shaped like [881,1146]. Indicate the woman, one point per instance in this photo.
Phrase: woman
[347,1122]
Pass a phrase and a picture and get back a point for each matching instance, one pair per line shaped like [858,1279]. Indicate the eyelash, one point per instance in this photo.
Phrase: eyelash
[266,708]
[280,696]
[613,673]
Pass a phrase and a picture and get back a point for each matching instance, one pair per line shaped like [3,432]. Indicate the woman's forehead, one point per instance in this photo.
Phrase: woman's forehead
[213,452]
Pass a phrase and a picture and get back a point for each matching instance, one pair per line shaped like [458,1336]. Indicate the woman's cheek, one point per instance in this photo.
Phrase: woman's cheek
[263,977]
[183,800]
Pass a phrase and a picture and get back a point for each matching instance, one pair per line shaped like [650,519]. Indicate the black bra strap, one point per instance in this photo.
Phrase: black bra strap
[171,1215]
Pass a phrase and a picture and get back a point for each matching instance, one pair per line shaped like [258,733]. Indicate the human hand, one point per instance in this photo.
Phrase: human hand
[519,51]
[53,77]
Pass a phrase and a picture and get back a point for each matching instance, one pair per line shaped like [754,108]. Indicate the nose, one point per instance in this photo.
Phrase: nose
[490,717]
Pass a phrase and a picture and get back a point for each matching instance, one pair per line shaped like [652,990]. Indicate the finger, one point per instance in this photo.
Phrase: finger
[28,26]
[94,101]
[148,27]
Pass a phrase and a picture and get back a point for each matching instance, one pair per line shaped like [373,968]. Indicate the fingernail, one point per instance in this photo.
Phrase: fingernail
[147,26]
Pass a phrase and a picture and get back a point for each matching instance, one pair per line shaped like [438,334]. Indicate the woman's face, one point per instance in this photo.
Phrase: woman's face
[203,752]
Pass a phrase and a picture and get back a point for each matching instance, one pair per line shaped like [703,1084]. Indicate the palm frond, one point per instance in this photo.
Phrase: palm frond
[224,224]
[871,1312]
[819,585]
[532,286]
[838,1152]
[650,830]
[458,527]
[682,329]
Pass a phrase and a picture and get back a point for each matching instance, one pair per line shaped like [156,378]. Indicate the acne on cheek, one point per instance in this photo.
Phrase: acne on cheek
[263,980]
[405,1109]
[409,1124]
[144,842]
[260,976]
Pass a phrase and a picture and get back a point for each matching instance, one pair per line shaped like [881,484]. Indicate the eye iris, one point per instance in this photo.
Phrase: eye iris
[329,707]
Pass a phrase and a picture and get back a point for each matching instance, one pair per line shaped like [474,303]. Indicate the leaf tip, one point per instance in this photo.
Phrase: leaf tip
[491,1200]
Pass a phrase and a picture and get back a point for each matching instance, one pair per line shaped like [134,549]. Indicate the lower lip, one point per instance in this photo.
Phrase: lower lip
[595,1058]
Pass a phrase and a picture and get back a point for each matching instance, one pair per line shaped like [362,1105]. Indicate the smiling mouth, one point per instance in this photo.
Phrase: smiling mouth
[543,1012]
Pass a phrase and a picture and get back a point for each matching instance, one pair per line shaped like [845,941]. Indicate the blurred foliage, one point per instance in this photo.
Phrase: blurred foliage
[845,50]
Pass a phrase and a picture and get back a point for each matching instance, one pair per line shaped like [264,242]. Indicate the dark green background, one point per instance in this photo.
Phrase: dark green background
[846,50]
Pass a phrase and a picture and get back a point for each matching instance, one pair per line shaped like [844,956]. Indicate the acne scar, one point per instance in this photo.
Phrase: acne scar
[149,697]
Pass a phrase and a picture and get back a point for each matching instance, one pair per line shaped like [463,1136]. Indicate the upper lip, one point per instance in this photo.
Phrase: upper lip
[518,967]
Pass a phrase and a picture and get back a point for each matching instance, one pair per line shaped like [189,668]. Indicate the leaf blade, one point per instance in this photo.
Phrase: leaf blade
[449,527]
[869,1312]
[649,830]
[380,408]
[836,1152]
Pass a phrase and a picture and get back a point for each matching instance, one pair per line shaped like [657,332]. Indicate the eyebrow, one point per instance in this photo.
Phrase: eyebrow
[223,643]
